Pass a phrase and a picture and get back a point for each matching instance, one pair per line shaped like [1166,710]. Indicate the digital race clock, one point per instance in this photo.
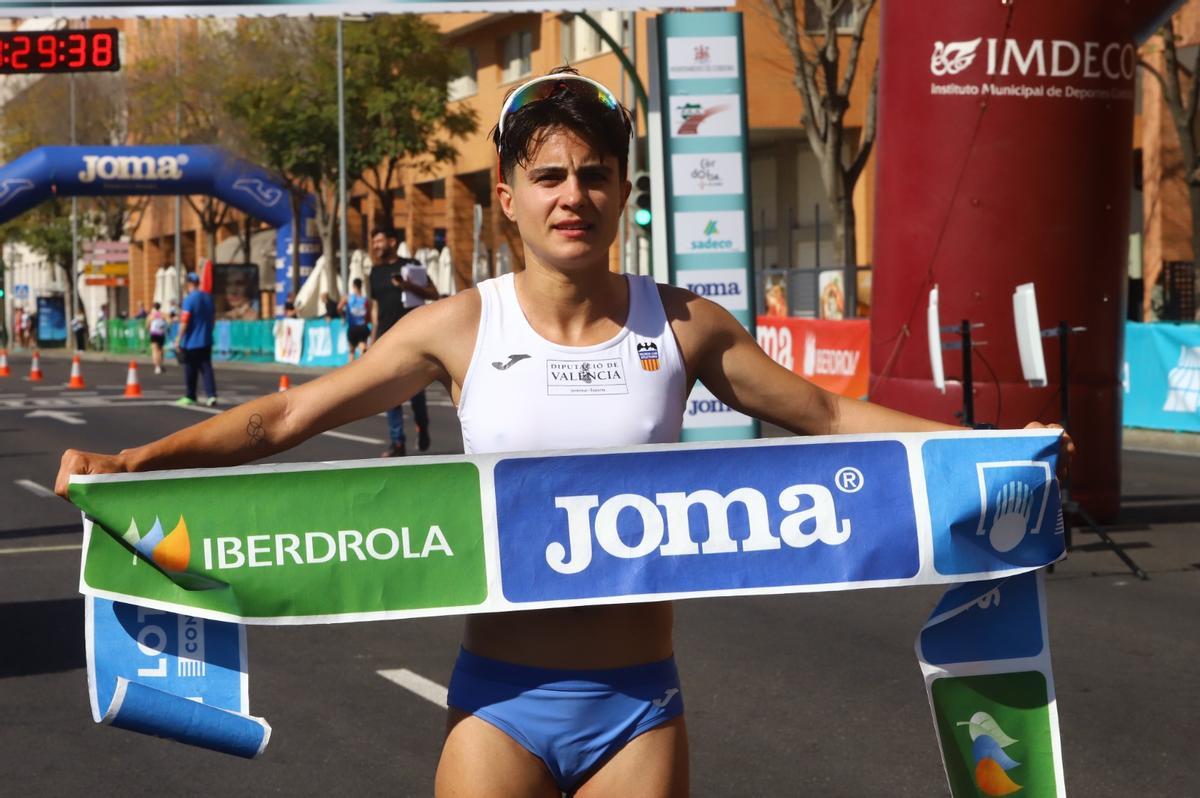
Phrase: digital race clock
[81,50]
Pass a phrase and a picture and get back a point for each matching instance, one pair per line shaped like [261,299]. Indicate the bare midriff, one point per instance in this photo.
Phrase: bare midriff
[612,636]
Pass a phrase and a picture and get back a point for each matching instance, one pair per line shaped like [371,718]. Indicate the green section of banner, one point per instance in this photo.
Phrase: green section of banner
[292,543]
[988,723]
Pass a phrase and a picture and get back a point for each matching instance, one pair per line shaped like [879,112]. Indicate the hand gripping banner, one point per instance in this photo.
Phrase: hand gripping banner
[370,540]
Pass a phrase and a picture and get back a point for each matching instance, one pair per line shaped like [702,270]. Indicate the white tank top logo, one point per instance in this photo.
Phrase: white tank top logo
[524,393]
[585,377]
[648,354]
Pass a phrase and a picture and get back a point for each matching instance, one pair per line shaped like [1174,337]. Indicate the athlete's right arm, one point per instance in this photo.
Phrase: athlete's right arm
[413,353]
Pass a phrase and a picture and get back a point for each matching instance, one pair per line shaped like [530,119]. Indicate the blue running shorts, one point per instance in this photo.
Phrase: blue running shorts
[570,719]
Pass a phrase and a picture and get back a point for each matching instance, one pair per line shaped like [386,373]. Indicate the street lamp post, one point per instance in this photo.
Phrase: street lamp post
[342,215]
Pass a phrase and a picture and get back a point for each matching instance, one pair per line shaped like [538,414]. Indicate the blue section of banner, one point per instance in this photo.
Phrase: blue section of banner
[1161,376]
[990,504]
[190,657]
[325,343]
[843,513]
[998,619]
[150,711]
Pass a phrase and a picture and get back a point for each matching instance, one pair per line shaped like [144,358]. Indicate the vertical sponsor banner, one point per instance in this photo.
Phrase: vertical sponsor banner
[701,83]
[832,354]
[985,657]
[1161,376]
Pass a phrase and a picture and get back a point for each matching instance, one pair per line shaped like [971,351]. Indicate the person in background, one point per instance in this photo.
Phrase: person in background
[79,330]
[194,342]
[141,311]
[289,309]
[388,286]
[102,326]
[156,326]
[329,307]
[357,308]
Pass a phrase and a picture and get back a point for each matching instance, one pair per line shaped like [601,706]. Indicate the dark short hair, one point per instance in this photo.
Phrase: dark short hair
[385,230]
[357,282]
[526,128]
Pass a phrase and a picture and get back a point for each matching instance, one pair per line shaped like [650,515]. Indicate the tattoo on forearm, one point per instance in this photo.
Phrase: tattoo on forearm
[254,429]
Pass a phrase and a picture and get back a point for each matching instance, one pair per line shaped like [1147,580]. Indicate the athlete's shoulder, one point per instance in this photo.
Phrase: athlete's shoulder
[685,308]
[450,315]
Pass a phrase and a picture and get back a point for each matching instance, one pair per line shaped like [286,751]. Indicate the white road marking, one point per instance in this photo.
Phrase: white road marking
[331,433]
[347,436]
[416,683]
[57,415]
[35,489]
[35,549]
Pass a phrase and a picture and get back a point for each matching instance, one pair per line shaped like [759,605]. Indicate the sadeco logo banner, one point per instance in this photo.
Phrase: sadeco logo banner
[291,543]
[667,522]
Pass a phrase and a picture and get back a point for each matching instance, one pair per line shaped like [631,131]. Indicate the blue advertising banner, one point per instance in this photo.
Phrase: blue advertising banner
[1161,376]
[672,511]
[701,82]
[52,319]
[325,343]
[92,171]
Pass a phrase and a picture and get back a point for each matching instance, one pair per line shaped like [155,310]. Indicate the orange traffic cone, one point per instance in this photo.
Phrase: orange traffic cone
[76,380]
[4,370]
[285,382]
[35,367]
[132,386]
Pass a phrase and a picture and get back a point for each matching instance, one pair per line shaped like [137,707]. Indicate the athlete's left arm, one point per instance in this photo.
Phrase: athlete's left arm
[721,354]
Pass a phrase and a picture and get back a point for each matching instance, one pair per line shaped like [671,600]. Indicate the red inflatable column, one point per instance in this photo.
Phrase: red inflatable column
[1004,157]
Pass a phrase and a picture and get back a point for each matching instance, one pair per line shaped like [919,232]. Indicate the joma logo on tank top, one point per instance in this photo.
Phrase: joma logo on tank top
[586,377]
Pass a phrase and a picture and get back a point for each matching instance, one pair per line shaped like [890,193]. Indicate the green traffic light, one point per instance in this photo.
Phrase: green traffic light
[642,217]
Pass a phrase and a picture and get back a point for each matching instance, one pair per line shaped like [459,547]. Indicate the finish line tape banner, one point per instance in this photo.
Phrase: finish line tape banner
[371,540]
[228,8]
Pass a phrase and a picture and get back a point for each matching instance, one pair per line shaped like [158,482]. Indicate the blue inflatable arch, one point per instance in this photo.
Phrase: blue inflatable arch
[46,172]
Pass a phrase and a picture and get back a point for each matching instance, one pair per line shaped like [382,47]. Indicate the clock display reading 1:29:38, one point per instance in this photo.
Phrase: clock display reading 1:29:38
[80,50]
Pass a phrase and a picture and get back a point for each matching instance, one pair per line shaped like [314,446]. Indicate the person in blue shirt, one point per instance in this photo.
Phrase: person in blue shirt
[194,342]
[357,309]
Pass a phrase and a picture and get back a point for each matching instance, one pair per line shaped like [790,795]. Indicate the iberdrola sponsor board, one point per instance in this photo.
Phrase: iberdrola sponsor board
[290,544]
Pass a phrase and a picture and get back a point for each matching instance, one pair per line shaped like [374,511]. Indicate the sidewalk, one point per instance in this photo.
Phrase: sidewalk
[1160,441]
[144,360]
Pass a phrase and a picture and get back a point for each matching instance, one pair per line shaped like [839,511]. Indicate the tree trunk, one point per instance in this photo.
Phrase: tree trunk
[845,222]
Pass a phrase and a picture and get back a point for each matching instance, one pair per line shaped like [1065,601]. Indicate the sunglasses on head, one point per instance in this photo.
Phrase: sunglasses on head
[547,86]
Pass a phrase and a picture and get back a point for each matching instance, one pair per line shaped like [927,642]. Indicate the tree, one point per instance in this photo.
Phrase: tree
[173,103]
[397,113]
[1181,94]
[824,84]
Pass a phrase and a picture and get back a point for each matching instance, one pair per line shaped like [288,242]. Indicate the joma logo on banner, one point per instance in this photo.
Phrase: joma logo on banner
[667,517]
[132,167]
[1056,58]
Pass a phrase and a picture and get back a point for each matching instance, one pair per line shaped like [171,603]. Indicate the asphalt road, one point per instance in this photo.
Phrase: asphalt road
[792,695]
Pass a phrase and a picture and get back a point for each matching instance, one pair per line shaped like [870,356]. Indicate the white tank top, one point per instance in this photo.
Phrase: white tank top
[524,393]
